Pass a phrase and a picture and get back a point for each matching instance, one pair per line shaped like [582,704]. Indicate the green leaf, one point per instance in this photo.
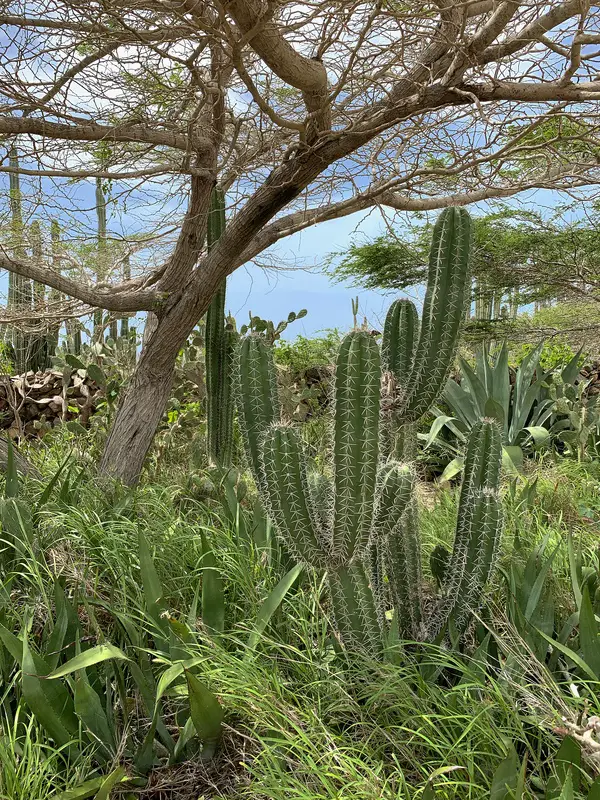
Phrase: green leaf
[588,633]
[594,793]
[17,522]
[49,701]
[81,792]
[76,427]
[95,655]
[512,459]
[213,595]
[96,374]
[436,426]
[111,781]
[567,778]
[272,603]
[504,782]
[11,488]
[45,496]
[455,467]
[205,709]
[586,670]
[89,709]
[74,362]
[536,591]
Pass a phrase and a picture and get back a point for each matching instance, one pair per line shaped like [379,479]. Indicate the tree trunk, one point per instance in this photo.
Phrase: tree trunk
[144,402]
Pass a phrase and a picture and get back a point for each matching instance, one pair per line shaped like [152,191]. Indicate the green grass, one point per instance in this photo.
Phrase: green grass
[302,721]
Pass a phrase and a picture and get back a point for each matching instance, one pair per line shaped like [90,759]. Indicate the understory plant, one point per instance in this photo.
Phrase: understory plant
[357,521]
[525,406]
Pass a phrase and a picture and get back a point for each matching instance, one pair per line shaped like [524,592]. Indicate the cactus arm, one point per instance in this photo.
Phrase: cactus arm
[356,443]
[403,555]
[395,486]
[399,340]
[478,528]
[257,403]
[287,494]
[224,443]
[354,608]
[443,310]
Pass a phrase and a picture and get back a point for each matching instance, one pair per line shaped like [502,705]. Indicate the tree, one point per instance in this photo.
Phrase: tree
[519,257]
[301,113]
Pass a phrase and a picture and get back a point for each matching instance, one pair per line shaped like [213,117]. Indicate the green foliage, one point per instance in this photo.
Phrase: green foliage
[302,353]
[526,408]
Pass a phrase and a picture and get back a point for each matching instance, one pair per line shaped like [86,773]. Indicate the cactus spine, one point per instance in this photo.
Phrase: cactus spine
[219,354]
[372,517]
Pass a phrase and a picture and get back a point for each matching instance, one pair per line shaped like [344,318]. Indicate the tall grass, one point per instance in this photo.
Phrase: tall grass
[302,720]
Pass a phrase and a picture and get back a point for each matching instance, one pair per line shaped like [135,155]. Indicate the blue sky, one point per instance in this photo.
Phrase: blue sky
[271,294]
[274,294]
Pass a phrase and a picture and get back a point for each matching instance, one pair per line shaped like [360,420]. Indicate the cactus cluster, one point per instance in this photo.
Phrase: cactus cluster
[359,521]
[219,354]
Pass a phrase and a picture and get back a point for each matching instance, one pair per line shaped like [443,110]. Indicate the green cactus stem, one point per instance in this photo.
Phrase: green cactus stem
[219,354]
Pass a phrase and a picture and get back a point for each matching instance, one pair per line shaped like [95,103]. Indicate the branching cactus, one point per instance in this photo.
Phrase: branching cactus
[220,350]
[418,358]
[359,523]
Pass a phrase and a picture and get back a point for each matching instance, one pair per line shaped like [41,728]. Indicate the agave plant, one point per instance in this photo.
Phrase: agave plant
[358,522]
[525,407]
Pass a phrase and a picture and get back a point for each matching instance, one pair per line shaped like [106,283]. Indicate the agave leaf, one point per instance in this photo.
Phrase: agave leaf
[213,596]
[461,403]
[49,701]
[501,386]
[95,655]
[475,387]
[506,776]
[494,410]
[512,459]
[452,469]
[588,633]
[436,426]
[115,777]
[539,434]
[272,603]
[205,709]
[89,709]
[571,371]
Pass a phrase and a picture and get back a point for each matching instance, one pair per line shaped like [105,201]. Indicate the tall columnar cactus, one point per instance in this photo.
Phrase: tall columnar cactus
[20,289]
[257,402]
[220,350]
[400,335]
[366,512]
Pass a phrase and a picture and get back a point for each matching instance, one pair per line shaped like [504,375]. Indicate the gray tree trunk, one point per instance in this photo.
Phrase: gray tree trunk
[144,402]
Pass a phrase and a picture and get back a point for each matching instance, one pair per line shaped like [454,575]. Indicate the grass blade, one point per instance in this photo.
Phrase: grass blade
[272,603]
